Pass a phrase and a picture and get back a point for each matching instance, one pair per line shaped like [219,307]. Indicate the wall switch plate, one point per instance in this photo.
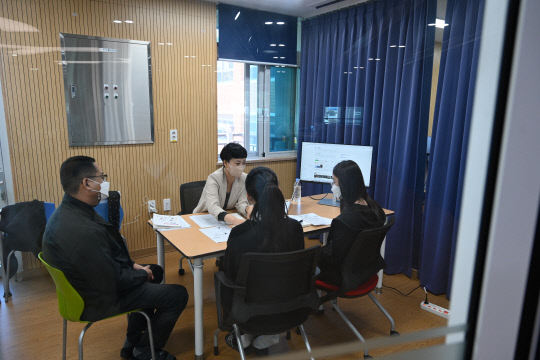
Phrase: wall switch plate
[166,204]
[174,135]
[437,310]
[152,206]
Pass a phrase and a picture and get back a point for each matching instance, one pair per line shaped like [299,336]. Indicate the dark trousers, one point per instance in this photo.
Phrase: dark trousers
[162,302]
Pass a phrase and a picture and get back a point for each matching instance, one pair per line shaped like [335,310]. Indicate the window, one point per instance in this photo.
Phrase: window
[256,108]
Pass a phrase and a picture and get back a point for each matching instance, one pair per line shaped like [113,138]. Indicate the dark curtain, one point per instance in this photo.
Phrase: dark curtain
[453,108]
[373,62]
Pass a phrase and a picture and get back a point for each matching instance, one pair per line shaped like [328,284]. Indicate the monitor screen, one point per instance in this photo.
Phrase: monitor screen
[319,159]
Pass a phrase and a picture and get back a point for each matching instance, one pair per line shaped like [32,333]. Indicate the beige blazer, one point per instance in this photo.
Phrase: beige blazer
[215,191]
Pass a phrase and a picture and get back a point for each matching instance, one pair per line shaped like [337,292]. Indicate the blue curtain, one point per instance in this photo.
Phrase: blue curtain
[374,61]
[457,74]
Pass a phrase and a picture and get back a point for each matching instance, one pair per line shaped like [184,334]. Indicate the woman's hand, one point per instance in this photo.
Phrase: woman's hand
[233,220]
[249,209]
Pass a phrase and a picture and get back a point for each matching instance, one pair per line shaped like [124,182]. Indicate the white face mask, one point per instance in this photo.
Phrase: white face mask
[236,171]
[336,191]
[104,191]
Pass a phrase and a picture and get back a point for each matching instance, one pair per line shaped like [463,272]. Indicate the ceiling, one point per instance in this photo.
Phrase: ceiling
[308,8]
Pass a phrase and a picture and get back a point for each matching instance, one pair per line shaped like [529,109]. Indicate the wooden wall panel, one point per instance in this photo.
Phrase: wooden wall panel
[184,94]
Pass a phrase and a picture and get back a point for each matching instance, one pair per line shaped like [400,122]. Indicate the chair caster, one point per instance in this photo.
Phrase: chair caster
[288,336]
[394,333]
[181,272]
[216,351]
[319,312]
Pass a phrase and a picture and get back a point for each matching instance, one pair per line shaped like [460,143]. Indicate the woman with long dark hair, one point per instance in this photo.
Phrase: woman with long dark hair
[358,212]
[267,229]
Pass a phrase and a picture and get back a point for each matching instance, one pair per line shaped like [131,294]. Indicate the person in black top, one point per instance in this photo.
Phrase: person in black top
[358,212]
[92,255]
[268,229]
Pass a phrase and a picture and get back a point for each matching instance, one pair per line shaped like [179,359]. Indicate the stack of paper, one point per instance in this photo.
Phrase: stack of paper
[167,222]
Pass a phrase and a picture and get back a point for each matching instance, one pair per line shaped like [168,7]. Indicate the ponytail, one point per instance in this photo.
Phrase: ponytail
[269,209]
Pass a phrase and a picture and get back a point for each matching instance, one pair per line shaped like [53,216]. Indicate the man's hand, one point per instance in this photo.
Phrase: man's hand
[145,268]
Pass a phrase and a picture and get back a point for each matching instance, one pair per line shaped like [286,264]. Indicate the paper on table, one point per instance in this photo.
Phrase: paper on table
[316,219]
[300,219]
[218,234]
[311,219]
[162,222]
[205,221]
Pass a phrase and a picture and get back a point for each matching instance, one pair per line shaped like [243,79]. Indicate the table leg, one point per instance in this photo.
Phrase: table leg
[198,307]
[378,289]
[161,253]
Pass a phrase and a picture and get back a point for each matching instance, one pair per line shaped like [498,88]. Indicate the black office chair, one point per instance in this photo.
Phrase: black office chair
[21,229]
[273,293]
[190,194]
[359,274]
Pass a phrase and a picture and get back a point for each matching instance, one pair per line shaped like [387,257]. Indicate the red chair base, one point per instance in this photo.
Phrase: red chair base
[361,290]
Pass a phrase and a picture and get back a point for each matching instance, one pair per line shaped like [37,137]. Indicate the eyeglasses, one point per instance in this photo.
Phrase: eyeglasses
[103,177]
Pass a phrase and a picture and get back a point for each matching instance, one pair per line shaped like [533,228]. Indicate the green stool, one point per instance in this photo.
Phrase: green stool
[71,306]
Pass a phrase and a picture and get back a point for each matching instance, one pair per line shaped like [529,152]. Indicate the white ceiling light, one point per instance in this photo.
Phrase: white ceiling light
[160,43]
[275,57]
[272,44]
[393,45]
[281,44]
[13,54]
[401,46]
[268,23]
[237,15]
[370,59]
[377,59]
[280,23]
[283,57]
[117,21]
[169,44]
[129,21]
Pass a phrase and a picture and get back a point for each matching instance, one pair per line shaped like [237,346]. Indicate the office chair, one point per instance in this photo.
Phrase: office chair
[22,227]
[273,293]
[71,306]
[190,194]
[359,275]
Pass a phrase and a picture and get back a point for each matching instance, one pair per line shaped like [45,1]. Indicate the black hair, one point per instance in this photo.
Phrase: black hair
[352,186]
[74,170]
[233,151]
[269,209]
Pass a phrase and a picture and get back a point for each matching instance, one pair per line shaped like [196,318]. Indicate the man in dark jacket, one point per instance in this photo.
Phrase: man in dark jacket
[92,254]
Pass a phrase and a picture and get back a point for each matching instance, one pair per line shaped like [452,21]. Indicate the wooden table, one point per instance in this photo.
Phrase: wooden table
[197,247]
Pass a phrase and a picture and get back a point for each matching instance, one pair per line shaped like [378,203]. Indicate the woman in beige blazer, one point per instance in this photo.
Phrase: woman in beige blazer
[225,188]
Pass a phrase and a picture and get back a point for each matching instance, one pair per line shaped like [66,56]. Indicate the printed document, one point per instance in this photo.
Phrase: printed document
[218,234]
[168,222]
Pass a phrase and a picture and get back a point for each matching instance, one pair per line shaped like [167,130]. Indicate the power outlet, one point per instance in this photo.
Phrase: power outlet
[174,135]
[166,204]
[437,310]
[152,206]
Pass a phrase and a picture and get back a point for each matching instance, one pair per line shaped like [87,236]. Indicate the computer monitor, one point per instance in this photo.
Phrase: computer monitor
[318,160]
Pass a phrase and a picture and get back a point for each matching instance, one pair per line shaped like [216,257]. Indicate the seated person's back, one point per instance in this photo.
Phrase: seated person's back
[267,230]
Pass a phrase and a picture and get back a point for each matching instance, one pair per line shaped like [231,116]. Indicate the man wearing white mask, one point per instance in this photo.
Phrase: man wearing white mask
[92,255]
[225,188]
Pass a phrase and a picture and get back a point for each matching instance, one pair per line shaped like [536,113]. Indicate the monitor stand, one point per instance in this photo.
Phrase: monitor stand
[329,202]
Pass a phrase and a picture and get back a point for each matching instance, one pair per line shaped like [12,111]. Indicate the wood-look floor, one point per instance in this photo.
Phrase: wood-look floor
[31,327]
